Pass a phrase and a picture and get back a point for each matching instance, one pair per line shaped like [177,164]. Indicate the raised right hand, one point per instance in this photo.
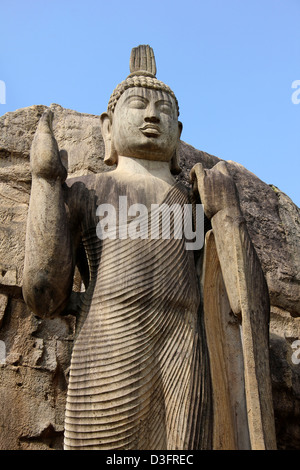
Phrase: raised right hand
[45,161]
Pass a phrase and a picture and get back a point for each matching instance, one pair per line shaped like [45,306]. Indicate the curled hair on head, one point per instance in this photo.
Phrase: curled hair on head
[138,81]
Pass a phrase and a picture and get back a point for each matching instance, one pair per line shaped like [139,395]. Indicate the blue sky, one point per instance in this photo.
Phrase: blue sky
[231,64]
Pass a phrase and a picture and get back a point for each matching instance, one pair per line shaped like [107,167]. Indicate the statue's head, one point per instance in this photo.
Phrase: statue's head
[142,115]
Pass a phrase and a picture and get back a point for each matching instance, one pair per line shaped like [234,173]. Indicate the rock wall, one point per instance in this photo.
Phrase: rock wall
[35,354]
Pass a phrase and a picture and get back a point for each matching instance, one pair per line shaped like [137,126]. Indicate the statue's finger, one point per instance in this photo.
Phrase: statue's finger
[222,167]
[45,122]
[197,172]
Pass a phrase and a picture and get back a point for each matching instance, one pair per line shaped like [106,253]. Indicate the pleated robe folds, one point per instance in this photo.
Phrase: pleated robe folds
[139,375]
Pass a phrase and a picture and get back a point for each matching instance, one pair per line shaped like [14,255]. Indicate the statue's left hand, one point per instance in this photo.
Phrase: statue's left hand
[216,188]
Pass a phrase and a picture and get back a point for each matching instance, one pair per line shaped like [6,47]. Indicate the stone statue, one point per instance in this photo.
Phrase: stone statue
[171,349]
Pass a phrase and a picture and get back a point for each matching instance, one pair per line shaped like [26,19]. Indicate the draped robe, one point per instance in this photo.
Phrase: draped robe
[139,375]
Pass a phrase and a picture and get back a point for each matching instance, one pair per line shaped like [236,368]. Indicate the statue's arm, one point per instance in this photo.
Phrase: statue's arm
[247,293]
[49,264]
[220,199]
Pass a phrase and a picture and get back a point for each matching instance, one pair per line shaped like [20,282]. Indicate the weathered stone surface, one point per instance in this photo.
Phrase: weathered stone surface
[284,331]
[34,375]
[33,378]
[80,135]
[273,221]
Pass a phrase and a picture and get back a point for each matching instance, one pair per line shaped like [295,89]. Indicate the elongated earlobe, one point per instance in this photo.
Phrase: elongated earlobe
[175,161]
[111,156]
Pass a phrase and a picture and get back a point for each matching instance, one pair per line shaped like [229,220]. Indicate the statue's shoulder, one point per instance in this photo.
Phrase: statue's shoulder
[91,181]
[83,193]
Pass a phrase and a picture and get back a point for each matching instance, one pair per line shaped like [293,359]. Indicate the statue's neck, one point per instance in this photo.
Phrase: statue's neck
[138,166]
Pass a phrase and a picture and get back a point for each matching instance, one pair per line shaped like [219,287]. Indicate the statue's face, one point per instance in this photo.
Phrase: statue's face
[145,124]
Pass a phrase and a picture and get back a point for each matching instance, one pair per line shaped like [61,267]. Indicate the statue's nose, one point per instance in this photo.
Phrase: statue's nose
[153,119]
[152,114]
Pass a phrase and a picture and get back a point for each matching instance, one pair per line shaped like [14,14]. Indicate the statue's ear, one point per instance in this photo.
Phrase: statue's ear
[174,163]
[111,156]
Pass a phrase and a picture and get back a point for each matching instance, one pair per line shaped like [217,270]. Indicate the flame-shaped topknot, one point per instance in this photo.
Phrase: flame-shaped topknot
[142,74]
[142,61]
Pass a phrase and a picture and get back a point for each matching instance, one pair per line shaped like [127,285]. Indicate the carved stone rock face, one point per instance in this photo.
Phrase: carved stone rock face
[28,388]
[140,371]
[145,125]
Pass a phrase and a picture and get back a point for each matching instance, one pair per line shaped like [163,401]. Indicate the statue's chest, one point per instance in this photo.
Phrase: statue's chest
[137,190]
[125,197]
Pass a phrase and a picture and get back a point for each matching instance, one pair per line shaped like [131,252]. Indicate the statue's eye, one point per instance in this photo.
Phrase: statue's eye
[166,108]
[137,102]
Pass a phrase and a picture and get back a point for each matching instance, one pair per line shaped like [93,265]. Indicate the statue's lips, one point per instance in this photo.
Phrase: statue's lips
[150,130]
